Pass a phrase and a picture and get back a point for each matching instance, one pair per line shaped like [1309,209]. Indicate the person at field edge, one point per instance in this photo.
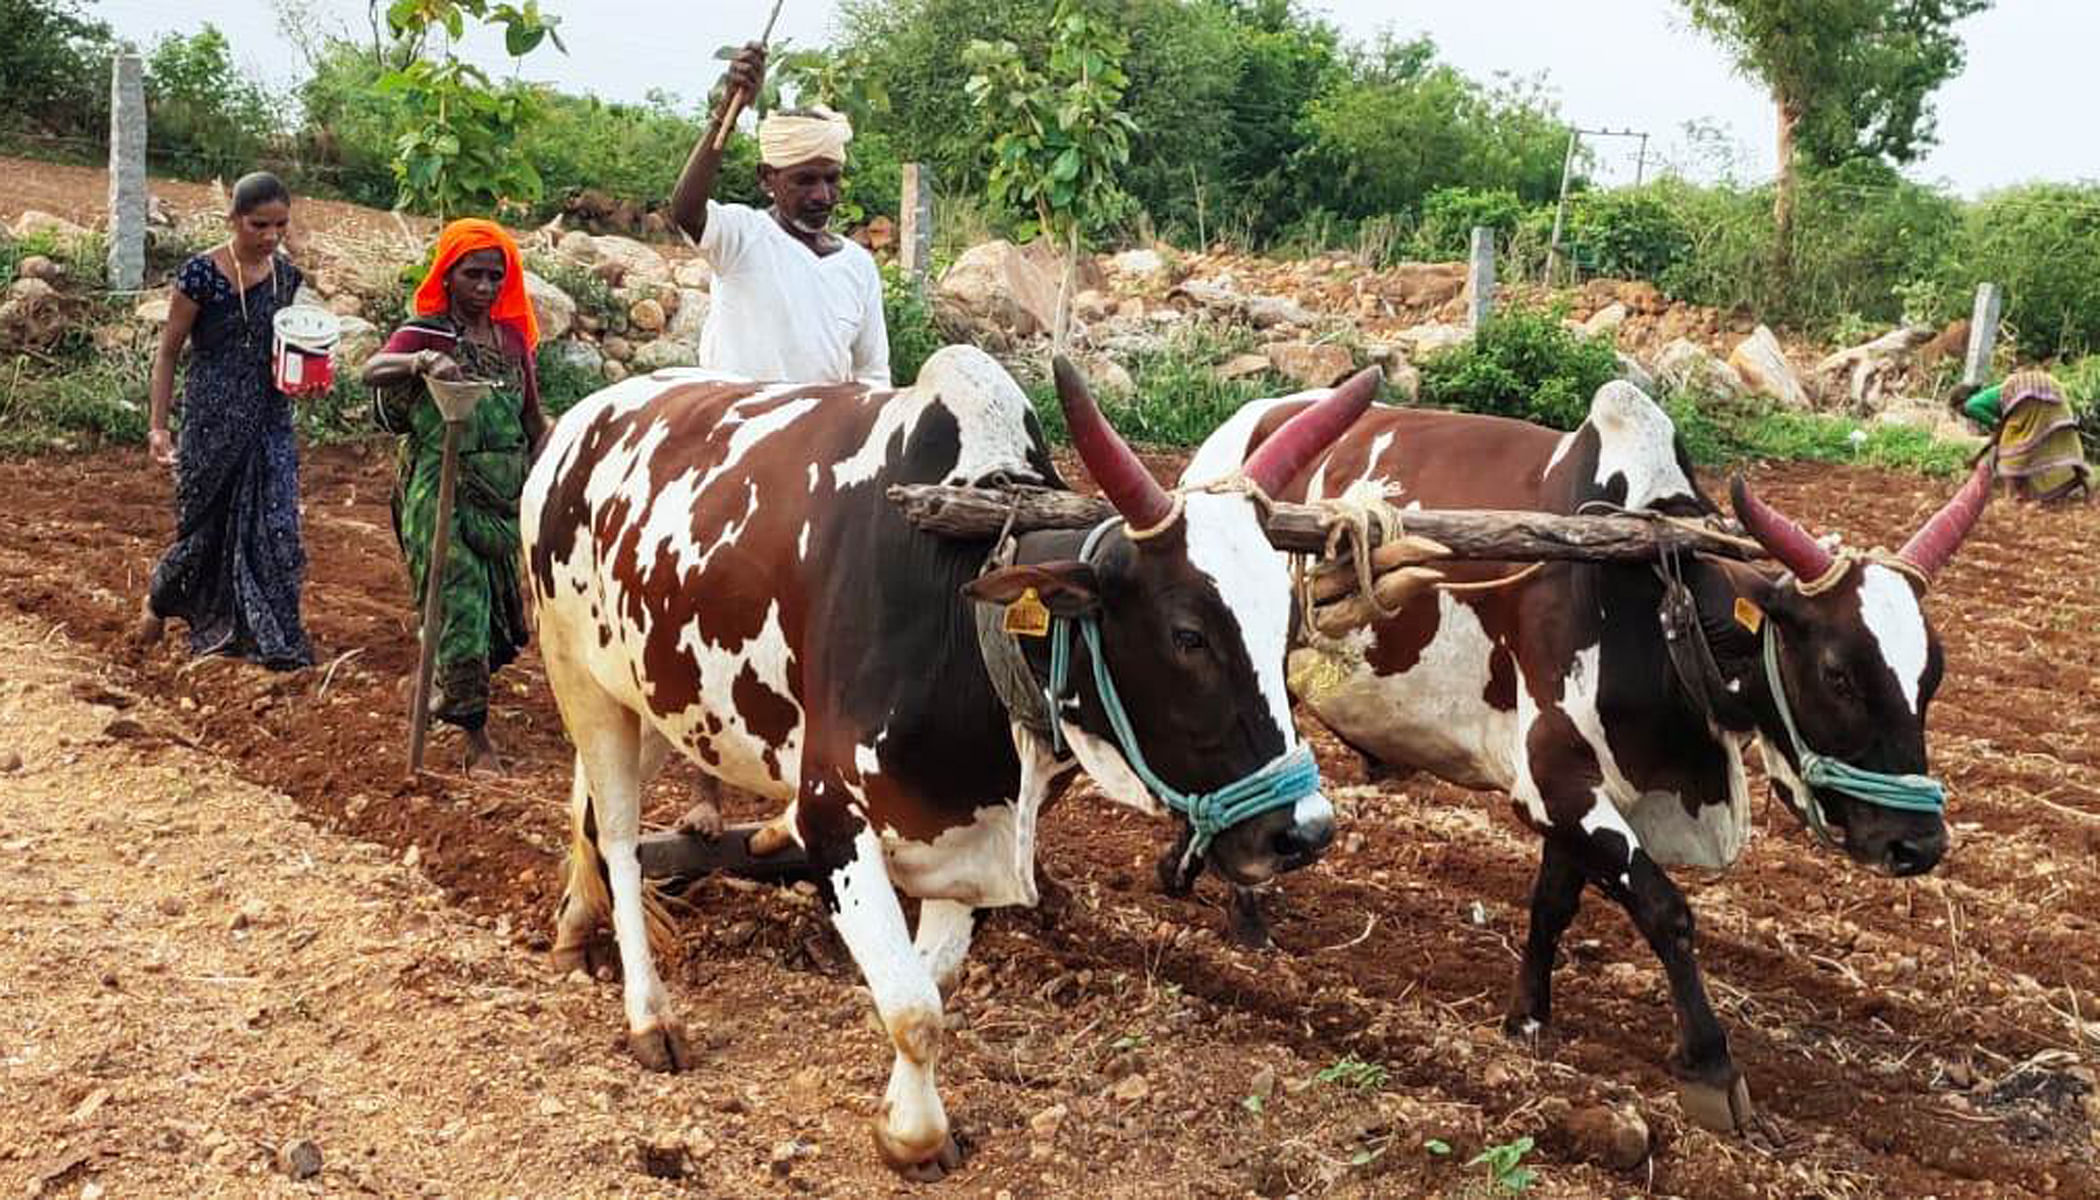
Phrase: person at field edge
[2039,452]
[792,300]
[473,321]
[235,571]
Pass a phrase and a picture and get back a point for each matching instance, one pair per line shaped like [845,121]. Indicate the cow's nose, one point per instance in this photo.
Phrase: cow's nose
[1915,856]
[1305,839]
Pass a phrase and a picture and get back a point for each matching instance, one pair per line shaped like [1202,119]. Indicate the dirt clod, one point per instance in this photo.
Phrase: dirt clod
[299,1159]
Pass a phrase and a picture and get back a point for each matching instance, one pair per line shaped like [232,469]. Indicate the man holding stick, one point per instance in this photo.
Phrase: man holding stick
[792,300]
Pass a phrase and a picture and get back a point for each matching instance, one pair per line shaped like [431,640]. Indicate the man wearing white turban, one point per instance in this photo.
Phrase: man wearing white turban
[792,301]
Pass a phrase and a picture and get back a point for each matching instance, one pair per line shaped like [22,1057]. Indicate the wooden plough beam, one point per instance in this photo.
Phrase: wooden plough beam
[1479,535]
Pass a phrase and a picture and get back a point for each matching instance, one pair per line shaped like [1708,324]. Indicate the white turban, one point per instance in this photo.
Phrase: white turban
[786,139]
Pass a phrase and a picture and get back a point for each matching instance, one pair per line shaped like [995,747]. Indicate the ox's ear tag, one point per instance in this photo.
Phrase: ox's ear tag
[1026,616]
[1749,615]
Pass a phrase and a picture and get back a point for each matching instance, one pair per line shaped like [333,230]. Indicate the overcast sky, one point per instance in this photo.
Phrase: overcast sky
[1614,64]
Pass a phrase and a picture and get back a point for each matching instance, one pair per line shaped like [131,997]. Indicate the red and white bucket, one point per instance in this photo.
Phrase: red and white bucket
[302,355]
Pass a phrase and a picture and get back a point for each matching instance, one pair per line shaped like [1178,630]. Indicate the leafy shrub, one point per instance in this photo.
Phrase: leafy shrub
[2041,243]
[1721,433]
[54,71]
[1449,216]
[2081,383]
[563,382]
[1179,399]
[913,335]
[593,296]
[1522,363]
[208,118]
[1627,233]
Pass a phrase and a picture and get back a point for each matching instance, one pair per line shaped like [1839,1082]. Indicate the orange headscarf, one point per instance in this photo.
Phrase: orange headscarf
[461,238]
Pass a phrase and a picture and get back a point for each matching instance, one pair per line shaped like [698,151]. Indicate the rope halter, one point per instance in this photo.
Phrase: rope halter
[1285,780]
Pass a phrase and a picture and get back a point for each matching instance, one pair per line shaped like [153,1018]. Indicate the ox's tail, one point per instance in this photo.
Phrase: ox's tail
[587,901]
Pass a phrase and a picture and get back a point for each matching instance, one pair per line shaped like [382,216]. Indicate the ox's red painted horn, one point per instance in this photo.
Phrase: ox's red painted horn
[1936,541]
[1123,479]
[1277,461]
[1781,538]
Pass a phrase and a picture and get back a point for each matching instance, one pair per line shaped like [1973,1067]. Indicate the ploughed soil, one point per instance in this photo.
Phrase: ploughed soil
[303,945]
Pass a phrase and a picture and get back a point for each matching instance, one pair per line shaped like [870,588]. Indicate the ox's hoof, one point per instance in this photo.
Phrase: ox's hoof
[662,1048]
[1718,1108]
[1523,1029]
[918,1167]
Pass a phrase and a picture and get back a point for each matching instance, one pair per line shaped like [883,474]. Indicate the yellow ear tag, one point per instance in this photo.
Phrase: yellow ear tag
[1026,616]
[1749,615]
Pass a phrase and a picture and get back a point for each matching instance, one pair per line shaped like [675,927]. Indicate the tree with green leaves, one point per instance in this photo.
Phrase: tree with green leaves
[1849,78]
[456,153]
[1059,134]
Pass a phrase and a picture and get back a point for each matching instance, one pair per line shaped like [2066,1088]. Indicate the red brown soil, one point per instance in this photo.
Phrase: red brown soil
[1912,1038]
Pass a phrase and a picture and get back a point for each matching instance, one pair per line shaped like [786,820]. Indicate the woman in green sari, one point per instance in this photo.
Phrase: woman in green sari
[474,321]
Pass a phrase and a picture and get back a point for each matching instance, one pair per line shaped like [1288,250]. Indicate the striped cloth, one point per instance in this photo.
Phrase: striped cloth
[2038,449]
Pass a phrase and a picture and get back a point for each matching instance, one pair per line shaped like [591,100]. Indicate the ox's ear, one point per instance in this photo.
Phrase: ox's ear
[1065,587]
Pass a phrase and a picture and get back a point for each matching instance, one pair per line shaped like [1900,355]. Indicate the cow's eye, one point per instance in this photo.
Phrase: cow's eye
[1189,641]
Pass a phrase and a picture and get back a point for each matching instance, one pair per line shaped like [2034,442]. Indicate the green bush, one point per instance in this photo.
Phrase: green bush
[562,382]
[1725,433]
[1523,363]
[54,76]
[98,401]
[208,118]
[2081,383]
[1449,216]
[2041,243]
[1628,233]
[913,334]
[1178,400]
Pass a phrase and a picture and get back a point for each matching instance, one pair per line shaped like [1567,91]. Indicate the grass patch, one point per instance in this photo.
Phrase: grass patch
[1178,399]
[1720,434]
[98,403]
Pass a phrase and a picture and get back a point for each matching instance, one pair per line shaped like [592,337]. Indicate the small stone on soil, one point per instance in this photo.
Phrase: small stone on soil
[10,762]
[664,1160]
[171,906]
[1132,1089]
[300,1159]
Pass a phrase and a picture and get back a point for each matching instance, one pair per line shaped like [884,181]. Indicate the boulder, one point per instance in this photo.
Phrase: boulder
[552,306]
[34,222]
[996,285]
[664,352]
[36,266]
[346,304]
[1270,312]
[614,371]
[360,341]
[578,355]
[1762,363]
[1240,366]
[1605,322]
[1631,370]
[153,310]
[1107,376]
[617,348]
[1402,377]
[1685,365]
[36,291]
[1424,340]
[1131,309]
[695,274]
[1863,375]
[1145,268]
[578,247]
[1424,285]
[1637,295]
[637,264]
[646,315]
[1219,295]
[1093,306]
[690,317]
[1311,364]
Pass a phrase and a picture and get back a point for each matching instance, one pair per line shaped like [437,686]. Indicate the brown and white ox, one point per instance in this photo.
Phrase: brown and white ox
[718,570]
[1559,689]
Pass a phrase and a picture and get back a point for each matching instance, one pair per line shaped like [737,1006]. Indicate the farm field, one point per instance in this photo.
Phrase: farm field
[175,822]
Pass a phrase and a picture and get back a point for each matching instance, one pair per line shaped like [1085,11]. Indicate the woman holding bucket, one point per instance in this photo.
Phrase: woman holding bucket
[473,321]
[234,573]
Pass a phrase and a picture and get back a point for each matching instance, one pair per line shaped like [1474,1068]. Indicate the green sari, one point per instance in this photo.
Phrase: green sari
[482,622]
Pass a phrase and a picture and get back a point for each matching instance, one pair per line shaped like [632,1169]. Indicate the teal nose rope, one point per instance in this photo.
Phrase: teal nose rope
[1286,780]
[1903,793]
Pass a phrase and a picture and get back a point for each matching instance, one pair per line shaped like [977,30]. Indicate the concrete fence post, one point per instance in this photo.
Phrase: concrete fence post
[1983,333]
[127,173]
[1480,278]
[915,235]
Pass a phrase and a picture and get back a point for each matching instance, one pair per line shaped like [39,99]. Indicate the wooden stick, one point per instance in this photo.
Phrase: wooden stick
[734,107]
[433,600]
[1487,535]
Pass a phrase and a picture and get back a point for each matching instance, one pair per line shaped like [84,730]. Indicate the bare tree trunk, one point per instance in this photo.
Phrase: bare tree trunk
[1783,196]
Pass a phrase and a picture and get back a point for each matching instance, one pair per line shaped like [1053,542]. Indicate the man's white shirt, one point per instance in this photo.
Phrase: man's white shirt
[781,312]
